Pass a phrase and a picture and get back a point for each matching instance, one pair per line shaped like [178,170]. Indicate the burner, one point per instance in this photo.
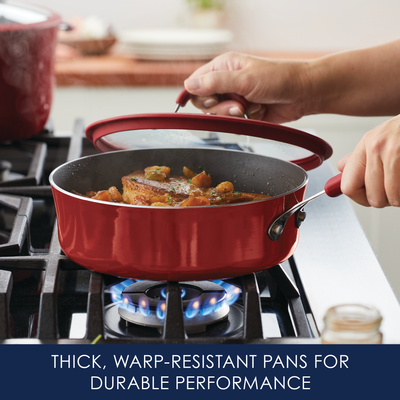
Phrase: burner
[117,328]
[144,303]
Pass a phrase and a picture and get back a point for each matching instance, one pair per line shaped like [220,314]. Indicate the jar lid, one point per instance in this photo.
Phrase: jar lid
[352,317]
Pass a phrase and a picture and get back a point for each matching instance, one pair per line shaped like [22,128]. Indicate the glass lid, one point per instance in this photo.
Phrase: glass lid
[179,138]
[180,130]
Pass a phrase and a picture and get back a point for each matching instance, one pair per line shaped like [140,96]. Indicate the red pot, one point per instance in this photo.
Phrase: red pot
[28,37]
[194,243]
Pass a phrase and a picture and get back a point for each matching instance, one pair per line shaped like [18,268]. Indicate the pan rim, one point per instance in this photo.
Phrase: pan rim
[112,204]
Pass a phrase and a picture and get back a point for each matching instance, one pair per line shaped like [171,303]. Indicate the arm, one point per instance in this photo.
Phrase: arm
[365,82]
[359,82]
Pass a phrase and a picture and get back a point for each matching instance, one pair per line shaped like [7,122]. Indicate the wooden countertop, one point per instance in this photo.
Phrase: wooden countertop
[124,70]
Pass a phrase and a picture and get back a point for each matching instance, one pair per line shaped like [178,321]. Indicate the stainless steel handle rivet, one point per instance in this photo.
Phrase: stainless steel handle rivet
[300,217]
[275,231]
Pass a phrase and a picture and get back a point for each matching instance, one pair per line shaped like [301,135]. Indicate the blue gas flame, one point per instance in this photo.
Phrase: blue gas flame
[211,304]
[144,306]
[116,290]
[161,308]
[164,292]
[232,292]
[193,309]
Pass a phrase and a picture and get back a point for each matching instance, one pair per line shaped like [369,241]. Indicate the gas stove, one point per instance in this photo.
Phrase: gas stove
[47,298]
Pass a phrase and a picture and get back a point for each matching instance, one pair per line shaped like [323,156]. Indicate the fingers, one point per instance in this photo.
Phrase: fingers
[371,174]
[207,86]
[363,179]
[392,176]
[213,83]
[205,103]
[375,183]
[221,75]
[214,105]
[342,162]
[353,178]
[382,174]
[225,62]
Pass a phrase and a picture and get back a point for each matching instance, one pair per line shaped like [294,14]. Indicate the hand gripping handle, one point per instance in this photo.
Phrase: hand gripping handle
[184,96]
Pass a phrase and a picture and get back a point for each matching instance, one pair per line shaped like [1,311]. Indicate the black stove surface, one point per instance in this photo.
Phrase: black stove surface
[47,297]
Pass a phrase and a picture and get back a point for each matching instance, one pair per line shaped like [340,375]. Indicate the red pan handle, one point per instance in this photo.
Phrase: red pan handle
[184,96]
[332,187]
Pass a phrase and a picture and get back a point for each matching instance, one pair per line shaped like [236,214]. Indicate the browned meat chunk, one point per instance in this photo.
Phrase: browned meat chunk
[181,191]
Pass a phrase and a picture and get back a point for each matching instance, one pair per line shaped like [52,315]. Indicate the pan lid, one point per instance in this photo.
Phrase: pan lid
[19,16]
[186,130]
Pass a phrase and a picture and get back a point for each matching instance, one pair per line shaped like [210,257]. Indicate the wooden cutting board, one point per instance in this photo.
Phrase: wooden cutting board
[125,70]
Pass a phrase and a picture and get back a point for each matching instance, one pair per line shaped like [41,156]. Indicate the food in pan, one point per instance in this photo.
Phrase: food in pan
[154,186]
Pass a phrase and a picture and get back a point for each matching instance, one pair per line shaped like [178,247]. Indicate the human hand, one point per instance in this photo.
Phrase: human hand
[371,174]
[273,88]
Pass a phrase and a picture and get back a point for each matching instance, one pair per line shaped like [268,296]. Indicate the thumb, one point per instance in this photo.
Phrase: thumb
[216,82]
[342,162]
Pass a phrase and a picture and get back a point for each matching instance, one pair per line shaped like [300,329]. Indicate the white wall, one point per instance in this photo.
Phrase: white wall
[311,25]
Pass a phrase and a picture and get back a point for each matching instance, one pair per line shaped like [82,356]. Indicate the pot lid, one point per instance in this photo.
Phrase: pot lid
[182,130]
[14,14]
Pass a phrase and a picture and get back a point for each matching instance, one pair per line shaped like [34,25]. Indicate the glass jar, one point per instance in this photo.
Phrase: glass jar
[352,324]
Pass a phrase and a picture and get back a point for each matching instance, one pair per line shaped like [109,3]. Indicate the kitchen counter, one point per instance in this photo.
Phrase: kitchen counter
[336,262]
[124,70]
